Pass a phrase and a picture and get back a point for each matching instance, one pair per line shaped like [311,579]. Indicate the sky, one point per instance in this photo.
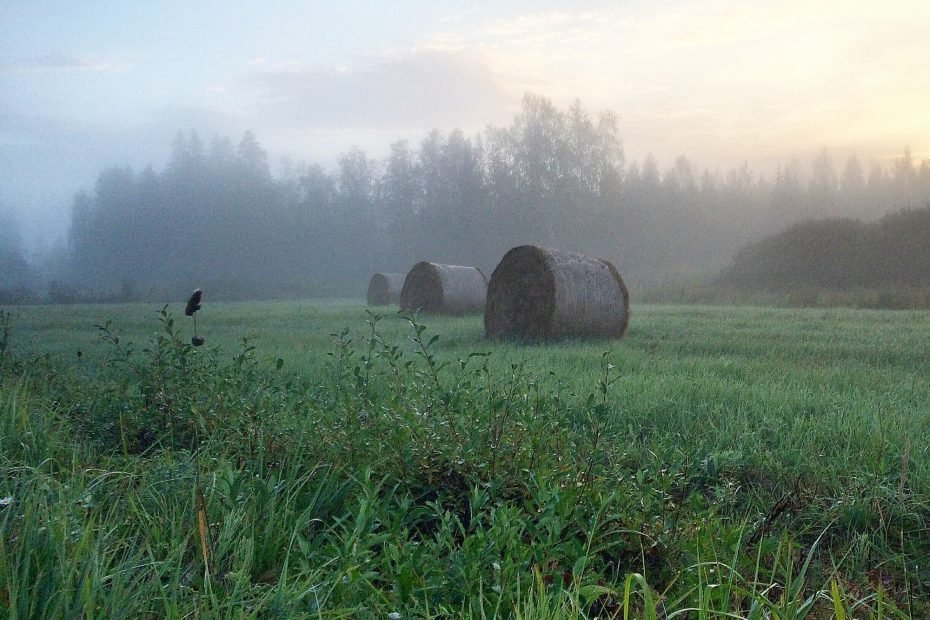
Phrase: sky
[90,84]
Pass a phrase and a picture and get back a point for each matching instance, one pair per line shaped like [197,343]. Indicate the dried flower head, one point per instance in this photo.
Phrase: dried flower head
[193,304]
[197,340]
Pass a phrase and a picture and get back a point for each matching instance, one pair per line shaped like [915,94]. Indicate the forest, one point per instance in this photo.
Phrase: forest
[217,216]
[839,254]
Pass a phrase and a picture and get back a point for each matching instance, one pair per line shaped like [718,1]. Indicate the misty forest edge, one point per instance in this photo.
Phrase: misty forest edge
[216,215]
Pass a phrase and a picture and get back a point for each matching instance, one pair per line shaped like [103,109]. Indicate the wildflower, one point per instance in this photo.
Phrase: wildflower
[496,566]
[394,615]
[193,304]
[6,501]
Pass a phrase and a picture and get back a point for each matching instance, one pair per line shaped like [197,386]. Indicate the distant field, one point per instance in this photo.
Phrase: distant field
[717,433]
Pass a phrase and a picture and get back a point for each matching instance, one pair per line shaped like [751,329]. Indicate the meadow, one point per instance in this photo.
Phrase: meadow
[320,460]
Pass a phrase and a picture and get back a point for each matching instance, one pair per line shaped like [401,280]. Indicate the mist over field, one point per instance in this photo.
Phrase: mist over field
[280,153]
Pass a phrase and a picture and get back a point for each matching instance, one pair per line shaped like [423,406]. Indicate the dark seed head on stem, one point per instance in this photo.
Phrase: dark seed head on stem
[193,304]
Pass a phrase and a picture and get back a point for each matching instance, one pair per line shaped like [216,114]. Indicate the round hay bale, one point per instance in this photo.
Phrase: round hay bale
[539,294]
[444,289]
[384,289]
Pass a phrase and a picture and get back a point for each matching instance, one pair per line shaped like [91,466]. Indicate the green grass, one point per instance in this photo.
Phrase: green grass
[762,463]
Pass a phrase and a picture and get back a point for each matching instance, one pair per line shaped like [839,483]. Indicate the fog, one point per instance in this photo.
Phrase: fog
[293,149]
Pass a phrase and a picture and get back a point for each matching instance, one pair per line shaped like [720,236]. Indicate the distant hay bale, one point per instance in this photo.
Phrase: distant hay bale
[384,288]
[539,294]
[444,289]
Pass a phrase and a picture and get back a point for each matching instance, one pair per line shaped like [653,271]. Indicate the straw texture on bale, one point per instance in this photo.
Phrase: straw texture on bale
[540,294]
[384,289]
[444,289]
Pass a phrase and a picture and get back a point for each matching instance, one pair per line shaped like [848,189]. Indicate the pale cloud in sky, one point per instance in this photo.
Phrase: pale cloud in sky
[60,62]
[724,81]
[452,18]
[414,90]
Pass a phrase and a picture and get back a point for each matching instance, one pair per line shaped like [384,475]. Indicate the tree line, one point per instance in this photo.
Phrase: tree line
[839,254]
[217,217]
[16,275]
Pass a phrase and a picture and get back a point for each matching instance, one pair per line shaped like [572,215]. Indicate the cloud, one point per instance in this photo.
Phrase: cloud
[722,79]
[452,18]
[412,89]
[59,62]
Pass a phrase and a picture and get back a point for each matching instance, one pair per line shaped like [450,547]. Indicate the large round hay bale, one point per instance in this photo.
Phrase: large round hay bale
[537,293]
[444,289]
[384,289]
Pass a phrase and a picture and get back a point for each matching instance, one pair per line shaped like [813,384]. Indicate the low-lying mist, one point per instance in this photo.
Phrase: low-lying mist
[217,217]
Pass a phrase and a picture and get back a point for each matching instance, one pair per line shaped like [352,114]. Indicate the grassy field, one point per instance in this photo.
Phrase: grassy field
[315,460]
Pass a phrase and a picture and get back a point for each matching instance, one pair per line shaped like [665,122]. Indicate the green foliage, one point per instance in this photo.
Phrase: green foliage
[840,255]
[173,395]
[6,328]
[414,471]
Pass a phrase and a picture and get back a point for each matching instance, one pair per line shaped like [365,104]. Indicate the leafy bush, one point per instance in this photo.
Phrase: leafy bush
[838,254]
